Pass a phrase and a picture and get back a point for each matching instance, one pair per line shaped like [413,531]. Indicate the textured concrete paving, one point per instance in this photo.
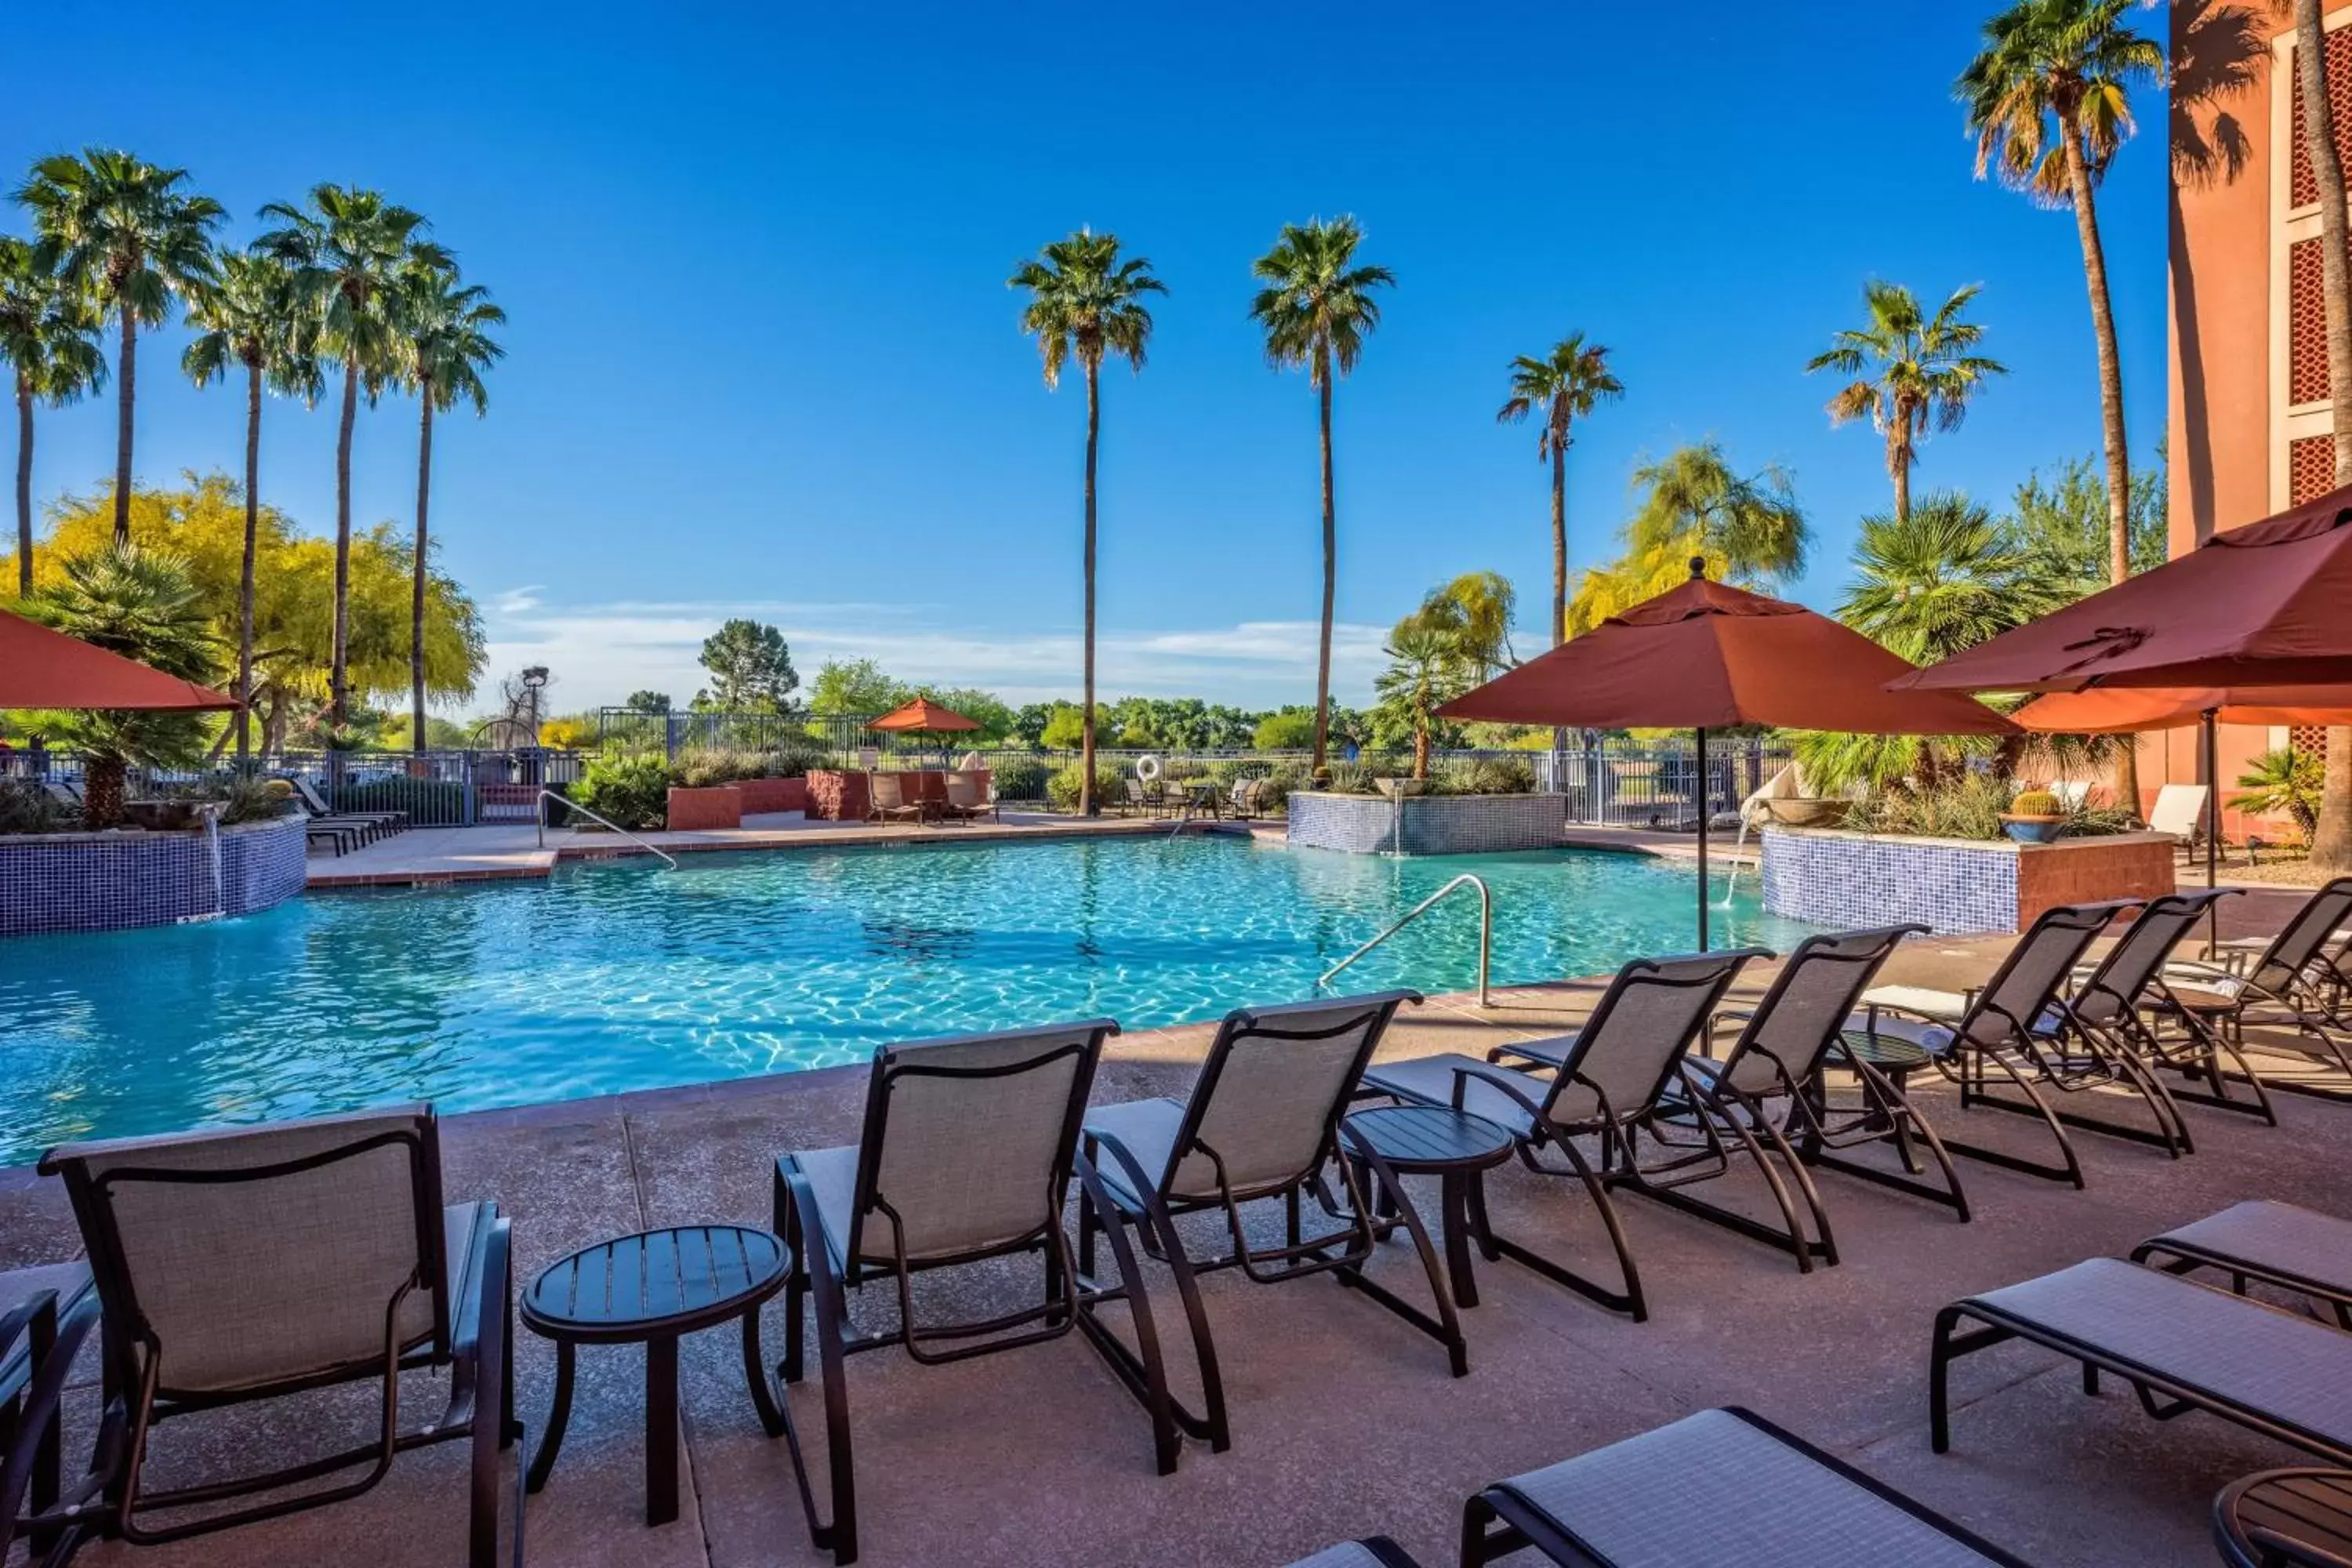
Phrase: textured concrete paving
[1345,1421]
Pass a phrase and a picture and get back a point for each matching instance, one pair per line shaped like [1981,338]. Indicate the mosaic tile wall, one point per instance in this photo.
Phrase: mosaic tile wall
[1836,882]
[1439,825]
[82,881]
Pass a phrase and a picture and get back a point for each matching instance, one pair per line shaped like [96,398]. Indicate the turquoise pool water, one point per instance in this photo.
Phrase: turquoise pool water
[624,976]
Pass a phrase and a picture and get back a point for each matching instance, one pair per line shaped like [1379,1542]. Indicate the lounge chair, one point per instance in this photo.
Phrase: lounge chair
[2297,993]
[1370,1551]
[46,1314]
[887,800]
[2180,810]
[384,823]
[339,837]
[966,1155]
[1610,1083]
[2280,1244]
[1721,1487]
[239,1266]
[969,799]
[1262,1122]
[2129,1002]
[2299,1518]
[1242,801]
[1138,799]
[2016,1029]
[2181,1345]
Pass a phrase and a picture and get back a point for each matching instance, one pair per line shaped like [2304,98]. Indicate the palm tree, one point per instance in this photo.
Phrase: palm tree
[1316,309]
[49,339]
[2049,101]
[1428,665]
[1943,577]
[348,247]
[1912,370]
[129,237]
[1084,301]
[1566,384]
[252,319]
[1475,610]
[446,324]
[1749,527]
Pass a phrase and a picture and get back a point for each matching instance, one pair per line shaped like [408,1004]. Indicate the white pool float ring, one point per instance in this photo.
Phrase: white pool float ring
[1146,768]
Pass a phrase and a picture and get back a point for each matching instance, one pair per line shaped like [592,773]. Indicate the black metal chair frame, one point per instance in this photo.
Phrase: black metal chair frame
[815,1280]
[34,1503]
[375,823]
[1143,1200]
[2146,1019]
[2246,1544]
[2315,1000]
[472,1338]
[2184,1258]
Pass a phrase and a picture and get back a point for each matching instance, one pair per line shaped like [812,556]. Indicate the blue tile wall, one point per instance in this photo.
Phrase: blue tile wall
[1833,880]
[75,881]
[1431,824]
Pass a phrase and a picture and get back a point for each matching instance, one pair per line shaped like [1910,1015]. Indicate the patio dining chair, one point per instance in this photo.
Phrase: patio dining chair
[241,1266]
[968,798]
[1609,1083]
[966,1155]
[1262,1123]
[886,800]
[2297,995]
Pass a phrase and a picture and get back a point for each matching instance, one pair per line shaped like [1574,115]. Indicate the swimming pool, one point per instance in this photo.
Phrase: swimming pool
[624,976]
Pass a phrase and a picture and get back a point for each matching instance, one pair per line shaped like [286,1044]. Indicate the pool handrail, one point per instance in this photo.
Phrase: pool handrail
[1485,930]
[571,804]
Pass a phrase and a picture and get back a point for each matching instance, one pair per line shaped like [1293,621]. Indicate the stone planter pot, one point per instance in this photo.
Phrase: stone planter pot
[1808,813]
[1399,789]
[2032,829]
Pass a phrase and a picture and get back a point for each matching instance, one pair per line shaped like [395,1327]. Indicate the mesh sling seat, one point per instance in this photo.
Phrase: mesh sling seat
[1371,1552]
[242,1265]
[1262,1122]
[1609,1083]
[886,800]
[1721,1487]
[46,1314]
[966,1155]
[968,798]
[2278,1243]
[2016,1030]
[2182,1346]
[2297,995]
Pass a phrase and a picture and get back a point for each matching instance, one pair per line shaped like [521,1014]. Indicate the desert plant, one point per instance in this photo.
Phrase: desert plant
[709,769]
[26,808]
[2033,802]
[252,800]
[2286,784]
[1492,776]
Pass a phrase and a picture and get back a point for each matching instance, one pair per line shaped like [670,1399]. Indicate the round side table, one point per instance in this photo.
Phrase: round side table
[2285,1519]
[1456,1147]
[648,1290]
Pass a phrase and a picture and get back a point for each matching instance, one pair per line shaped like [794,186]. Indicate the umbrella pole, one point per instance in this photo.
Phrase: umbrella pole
[1702,840]
[2212,830]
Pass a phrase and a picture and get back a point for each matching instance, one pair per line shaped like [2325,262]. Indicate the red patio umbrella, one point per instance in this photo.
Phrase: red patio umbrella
[922,716]
[44,668]
[1704,656]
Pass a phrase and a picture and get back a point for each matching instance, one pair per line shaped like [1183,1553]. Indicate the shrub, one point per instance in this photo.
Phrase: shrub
[709,769]
[1062,789]
[632,791]
[1273,794]
[1492,776]
[26,808]
[1020,778]
[792,761]
[2284,783]
[255,799]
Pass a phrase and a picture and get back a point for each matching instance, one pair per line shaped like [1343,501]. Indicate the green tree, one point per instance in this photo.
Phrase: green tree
[984,709]
[1911,369]
[446,325]
[349,248]
[1747,528]
[1474,611]
[1316,311]
[2061,521]
[253,319]
[1564,385]
[48,341]
[751,668]
[1084,301]
[1943,578]
[1066,727]
[1285,730]
[143,606]
[648,702]
[2284,782]
[1426,669]
[130,238]
[857,687]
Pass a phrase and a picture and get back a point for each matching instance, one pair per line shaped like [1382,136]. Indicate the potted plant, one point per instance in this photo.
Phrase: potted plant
[2033,817]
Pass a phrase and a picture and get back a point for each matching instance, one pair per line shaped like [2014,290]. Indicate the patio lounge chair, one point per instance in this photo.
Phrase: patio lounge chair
[1242,801]
[1371,1552]
[1139,800]
[1262,1122]
[1610,1083]
[240,1267]
[384,823]
[46,1314]
[887,800]
[2017,1029]
[2129,1002]
[2182,1346]
[2278,1243]
[969,799]
[966,1155]
[2297,994]
[1721,1487]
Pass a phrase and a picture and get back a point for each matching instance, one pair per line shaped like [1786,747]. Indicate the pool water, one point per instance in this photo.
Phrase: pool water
[626,975]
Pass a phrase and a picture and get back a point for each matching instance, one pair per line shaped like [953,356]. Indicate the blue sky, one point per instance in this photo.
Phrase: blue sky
[763,361]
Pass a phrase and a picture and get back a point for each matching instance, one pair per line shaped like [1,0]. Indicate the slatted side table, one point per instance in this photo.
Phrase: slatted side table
[2286,1518]
[1456,1147]
[649,1289]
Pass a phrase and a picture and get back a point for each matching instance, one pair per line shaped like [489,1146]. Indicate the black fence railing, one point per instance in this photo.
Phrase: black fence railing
[436,789]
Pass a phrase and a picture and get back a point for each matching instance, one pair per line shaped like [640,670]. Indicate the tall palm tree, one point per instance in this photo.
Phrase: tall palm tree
[2049,99]
[446,324]
[131,237]
[253,319]
[1912,370]
[1565,385]
[1691,502]
[348,246]
[1085,303]
[49,339]
[1316,309]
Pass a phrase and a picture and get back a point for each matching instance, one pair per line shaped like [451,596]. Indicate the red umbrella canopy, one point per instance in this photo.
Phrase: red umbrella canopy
[1707,655]
[2124,710]
[45,669]
[2259,606]
[923,716]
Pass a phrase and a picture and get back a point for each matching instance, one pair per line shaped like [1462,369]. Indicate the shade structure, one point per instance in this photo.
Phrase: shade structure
[922,716]
[1704,656]
[2260,605]
[44,668]
[2129,710]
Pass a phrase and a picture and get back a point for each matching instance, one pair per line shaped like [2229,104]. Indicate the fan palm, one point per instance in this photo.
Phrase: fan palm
[129,237]
[1316,309]
[1944,578]
[49,339]
[348,247]
[1565,386]
[1087,304]
[253,319]
[1426,669]
[446,324]
[1911,370]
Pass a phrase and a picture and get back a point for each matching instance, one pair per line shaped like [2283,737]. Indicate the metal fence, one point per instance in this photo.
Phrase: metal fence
[436,789]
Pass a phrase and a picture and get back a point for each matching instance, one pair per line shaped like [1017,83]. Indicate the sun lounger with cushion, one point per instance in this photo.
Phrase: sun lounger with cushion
[2297,997]
[2278,1243]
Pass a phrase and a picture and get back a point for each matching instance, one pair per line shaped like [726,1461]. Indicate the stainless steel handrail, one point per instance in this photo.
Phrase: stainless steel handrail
[571,804]
[1485,930]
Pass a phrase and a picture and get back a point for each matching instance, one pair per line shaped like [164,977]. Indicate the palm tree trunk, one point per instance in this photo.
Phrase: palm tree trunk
[338,671]
[101,792]
[23,485]
[2331,836]
[1899,468]
[1330,575]
[126,384]
[1088,805]
[2111,412]
[244,571]
[416,582]
[1559,537]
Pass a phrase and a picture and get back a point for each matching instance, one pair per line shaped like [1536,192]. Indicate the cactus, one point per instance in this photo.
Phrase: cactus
[2034,803]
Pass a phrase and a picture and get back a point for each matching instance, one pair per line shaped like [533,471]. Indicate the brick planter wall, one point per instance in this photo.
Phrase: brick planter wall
[2081,870]
[1956,887]
[773,795]
[691,810]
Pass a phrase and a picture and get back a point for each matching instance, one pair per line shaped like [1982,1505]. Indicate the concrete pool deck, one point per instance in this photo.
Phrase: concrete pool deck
[1345,1421]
